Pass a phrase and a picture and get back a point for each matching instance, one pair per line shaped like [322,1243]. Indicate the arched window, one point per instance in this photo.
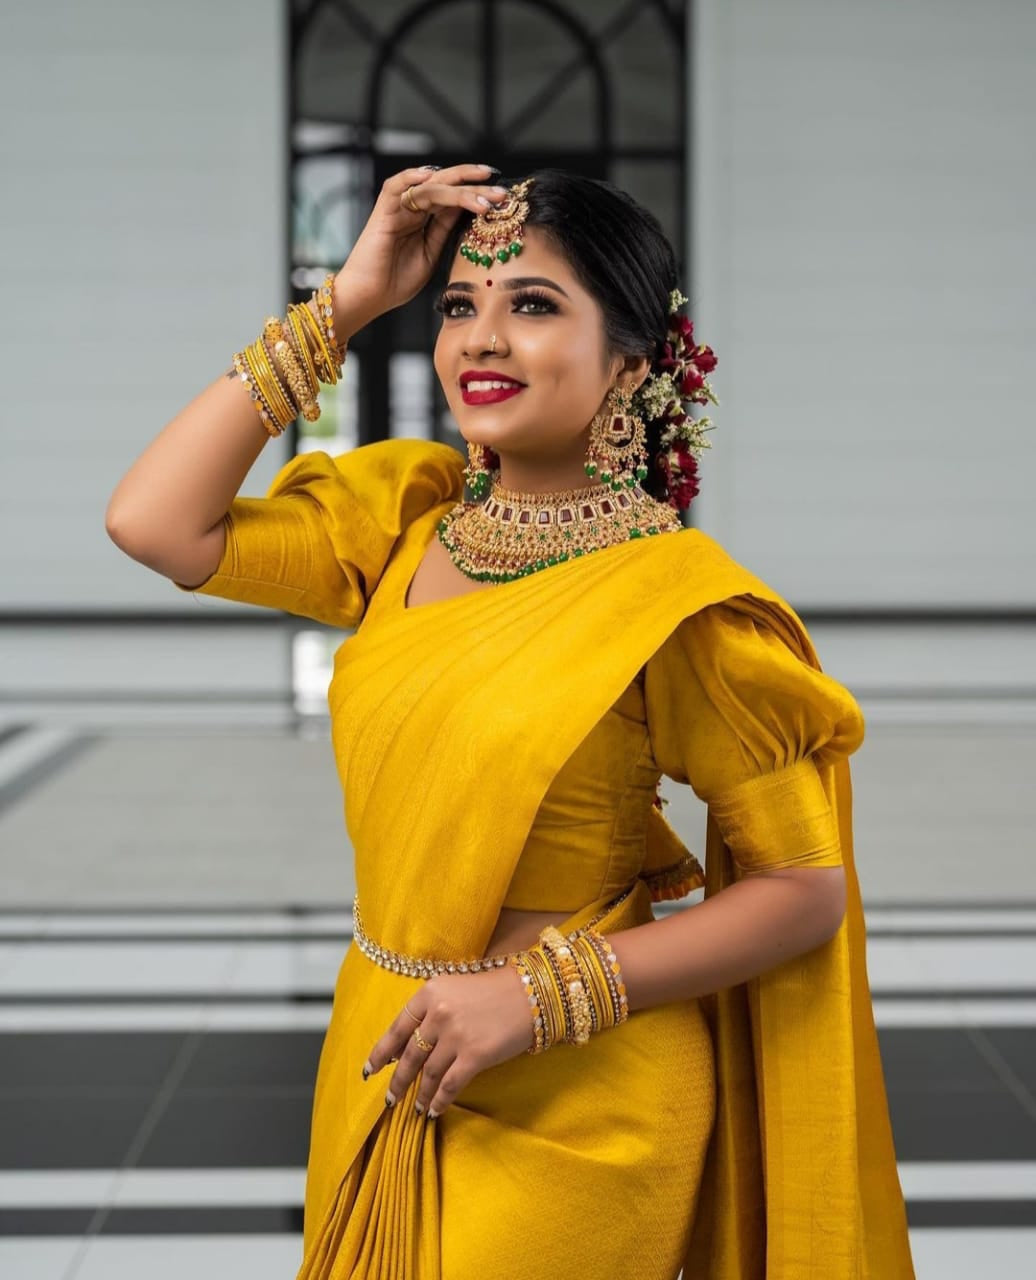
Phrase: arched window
[596,86]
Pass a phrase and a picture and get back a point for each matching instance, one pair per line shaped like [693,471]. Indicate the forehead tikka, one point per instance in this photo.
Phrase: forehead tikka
[496,235]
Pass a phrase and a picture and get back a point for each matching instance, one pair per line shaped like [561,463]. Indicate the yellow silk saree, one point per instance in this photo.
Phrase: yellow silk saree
[449,722]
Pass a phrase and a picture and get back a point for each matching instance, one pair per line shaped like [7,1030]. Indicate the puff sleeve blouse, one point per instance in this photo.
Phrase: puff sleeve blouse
[734,712]
[320,540]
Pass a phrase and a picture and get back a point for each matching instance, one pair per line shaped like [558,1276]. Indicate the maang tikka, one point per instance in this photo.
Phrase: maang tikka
[496,235]
[616,452]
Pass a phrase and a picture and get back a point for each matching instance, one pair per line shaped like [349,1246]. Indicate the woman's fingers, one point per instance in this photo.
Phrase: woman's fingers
[444,1091]
[396,183]
[430,196]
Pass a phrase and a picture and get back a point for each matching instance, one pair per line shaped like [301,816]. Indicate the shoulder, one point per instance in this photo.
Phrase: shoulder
[398,477]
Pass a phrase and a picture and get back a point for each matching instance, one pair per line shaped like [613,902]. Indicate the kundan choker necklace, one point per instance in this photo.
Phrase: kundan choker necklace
[510,534]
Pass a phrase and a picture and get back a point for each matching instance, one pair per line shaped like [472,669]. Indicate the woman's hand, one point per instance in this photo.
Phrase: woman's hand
[398,249]
[473,1020]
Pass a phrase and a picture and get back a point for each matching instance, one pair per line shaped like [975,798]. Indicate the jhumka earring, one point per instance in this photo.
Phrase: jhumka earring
[496,235]
[482,462]
[617,443]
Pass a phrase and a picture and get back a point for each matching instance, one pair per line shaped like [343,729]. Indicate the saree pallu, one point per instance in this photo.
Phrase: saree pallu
[449,722]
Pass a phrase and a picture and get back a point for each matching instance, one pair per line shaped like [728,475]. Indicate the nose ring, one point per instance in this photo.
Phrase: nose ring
[492,346]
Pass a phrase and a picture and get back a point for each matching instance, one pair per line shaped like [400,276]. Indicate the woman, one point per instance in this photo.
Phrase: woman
[524,1070]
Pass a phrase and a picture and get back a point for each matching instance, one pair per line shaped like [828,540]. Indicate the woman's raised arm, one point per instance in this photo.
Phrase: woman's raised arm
[167,510]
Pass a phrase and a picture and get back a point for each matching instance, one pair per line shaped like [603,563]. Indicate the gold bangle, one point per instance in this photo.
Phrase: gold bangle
[573,990]
[322,352]
[266,415]
[532,993]
[262,385]
[293,372]
[302,349]
[326,312]
[552,1001]
[271,383]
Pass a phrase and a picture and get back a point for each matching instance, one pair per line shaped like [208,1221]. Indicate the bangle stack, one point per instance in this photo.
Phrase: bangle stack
[574,987]
[282,370]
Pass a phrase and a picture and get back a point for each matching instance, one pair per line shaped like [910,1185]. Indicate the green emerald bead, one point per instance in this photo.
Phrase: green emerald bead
[541,564]
[642,473]
[551,561]
[634,533]
[606,477]
[486,260]
[515,247]
[616,486]
[630,481]
[590,468]
[502,255]
[578,551]
[653,529]
[562,557]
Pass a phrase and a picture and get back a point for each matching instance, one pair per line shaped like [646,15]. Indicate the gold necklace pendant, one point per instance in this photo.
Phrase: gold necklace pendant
[512,534]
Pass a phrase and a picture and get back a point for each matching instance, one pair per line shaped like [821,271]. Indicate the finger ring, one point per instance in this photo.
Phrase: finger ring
[407,199]
[412,1015]
[422,1044]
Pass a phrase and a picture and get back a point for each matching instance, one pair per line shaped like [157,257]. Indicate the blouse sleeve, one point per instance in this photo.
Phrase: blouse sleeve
[743,719]
[319,541]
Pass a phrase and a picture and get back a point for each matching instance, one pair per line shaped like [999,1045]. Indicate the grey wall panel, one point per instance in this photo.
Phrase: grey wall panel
[143,244]
[863,199]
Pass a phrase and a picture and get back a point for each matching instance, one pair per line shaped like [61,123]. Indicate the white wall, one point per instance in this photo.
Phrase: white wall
[143,161]
[864,199]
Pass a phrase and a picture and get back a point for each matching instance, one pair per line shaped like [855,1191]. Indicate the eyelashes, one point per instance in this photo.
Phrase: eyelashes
[545,304]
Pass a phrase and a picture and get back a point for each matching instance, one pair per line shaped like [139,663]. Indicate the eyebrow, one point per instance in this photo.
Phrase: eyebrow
[511,285]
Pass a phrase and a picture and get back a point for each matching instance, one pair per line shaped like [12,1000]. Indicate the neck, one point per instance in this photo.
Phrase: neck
[520,476]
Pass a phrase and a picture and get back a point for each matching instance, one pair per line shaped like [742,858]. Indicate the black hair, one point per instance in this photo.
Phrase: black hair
[619,253]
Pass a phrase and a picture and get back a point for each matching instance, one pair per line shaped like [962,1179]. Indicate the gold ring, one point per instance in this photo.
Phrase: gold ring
[408,200]
[492,346]
[413,1015]
[422,1044]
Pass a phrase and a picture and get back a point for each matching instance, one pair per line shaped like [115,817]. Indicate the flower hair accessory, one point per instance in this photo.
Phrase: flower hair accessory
[664,397]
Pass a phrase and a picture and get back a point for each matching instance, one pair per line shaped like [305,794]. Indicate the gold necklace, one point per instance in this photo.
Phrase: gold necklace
[512,534]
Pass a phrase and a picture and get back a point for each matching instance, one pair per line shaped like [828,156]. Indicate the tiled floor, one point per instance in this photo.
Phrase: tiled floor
[159,1035]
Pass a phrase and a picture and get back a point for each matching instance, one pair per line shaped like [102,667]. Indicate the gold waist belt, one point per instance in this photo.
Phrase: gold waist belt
[428,966]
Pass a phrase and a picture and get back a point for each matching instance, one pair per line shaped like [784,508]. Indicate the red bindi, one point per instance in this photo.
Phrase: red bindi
[489,284]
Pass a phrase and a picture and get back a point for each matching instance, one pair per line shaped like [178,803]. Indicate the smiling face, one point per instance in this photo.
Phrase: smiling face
[550,352]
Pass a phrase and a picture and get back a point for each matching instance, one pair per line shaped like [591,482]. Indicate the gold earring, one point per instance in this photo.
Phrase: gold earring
[479,472]
[617,443]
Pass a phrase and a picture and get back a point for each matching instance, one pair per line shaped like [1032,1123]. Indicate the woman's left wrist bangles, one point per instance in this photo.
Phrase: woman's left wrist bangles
[284,367]
[574,987]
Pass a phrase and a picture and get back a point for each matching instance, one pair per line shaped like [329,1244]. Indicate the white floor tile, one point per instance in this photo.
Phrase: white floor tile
[952,1254]
[263,1257]
[42,968]
[969,1180]
[37,1257]
[286,968]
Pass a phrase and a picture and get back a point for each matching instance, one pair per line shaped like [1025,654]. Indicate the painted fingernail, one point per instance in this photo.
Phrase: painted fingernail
[491,167]
[431,166]
[368,1070]
[434,1115]
[484,200]
[390,1099]
[419,1108]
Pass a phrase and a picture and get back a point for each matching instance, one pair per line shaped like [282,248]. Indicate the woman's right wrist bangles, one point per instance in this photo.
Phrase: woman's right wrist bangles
[282,370]
[574,987]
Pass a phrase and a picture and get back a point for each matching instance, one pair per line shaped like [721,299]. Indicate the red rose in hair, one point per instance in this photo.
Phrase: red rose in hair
[693,380]
[705,359]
